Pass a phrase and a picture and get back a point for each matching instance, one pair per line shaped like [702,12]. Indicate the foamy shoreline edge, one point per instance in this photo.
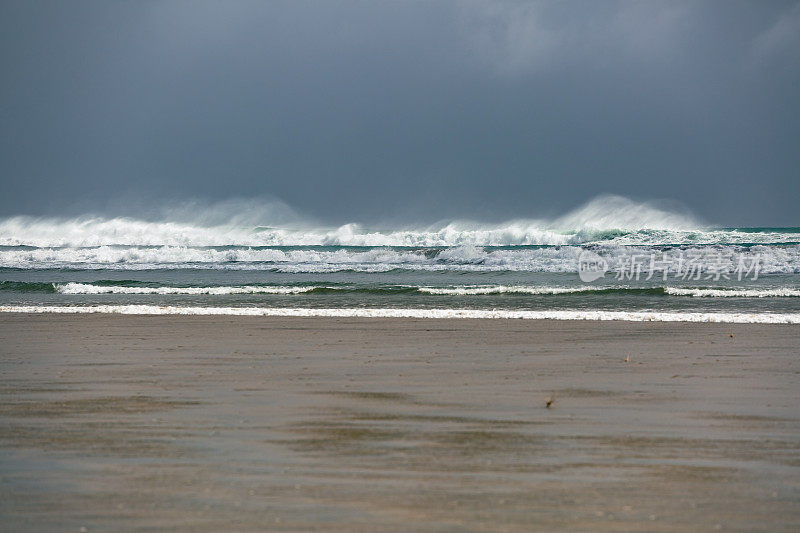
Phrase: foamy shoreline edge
[629,316]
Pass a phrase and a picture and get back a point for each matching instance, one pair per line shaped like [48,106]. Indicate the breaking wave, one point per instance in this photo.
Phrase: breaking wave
[668,291]
[772,259]
[607,219]
[136,288]
[734,293]
[86,288]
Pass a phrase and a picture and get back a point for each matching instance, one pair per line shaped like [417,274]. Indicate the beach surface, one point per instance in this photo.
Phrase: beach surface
[204,423]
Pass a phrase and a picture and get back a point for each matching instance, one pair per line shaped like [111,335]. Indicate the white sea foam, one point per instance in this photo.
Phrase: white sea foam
[734,293]
[772,259]
[85,288]
[781,292]
[462,290]
[85,232]
[632,316]
[502,289]
[138,258]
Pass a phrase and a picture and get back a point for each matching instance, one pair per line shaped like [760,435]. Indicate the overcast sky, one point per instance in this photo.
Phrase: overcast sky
[405,111]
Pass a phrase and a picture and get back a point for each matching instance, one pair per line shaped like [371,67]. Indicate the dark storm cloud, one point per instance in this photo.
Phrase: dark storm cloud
[367,111]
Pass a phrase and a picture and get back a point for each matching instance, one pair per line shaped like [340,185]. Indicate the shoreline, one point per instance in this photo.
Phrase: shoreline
[416,313]
[208,423]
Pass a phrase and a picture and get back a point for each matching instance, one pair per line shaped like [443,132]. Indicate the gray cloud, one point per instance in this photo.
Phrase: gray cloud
[782,38]
[538,35]
[397,111]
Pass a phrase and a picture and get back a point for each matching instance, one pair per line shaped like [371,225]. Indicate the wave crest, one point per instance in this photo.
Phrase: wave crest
[229,224]
[772,259]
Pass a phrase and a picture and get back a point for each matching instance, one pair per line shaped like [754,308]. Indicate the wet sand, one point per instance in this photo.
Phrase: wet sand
[235,423]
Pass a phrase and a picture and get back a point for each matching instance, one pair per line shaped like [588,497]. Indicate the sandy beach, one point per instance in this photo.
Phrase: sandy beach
[250,423]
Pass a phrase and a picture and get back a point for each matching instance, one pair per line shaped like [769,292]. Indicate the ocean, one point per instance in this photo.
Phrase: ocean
[626,262]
